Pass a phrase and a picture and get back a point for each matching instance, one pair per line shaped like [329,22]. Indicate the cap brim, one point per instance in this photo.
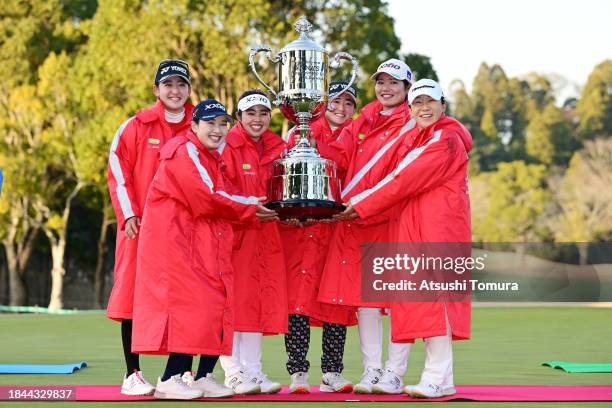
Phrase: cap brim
[210,117]
[411,98]
[390,74]
[162,79]
[353,97]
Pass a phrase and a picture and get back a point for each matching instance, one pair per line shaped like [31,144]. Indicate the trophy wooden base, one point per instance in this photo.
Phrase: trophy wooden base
[302,209]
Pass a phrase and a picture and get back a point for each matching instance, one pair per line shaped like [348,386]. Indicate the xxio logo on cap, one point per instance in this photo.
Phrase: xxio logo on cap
[214,105]
[256,98]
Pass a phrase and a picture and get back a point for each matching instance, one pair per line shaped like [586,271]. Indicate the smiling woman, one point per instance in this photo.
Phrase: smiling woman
[365,152]
[426,101]
[210,123]
[393,79]
[183,295]
[260,294]
[132,163]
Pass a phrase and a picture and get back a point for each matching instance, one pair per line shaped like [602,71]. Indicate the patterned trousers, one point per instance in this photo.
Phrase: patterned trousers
[297,341]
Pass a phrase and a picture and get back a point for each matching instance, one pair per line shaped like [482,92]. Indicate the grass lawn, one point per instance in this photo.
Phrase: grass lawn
[507,347]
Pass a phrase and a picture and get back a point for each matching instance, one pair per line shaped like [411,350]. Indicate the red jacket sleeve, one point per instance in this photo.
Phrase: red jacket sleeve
[422,169]
[193,185]
[121,162]
[232,177]
[340,150]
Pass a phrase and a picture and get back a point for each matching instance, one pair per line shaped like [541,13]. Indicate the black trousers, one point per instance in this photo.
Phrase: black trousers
[297,341]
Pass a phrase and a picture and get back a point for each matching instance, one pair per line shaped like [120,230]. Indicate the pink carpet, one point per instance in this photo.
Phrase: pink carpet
[511,393]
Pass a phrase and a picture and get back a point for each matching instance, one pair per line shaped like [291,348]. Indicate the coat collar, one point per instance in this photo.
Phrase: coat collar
[157,112]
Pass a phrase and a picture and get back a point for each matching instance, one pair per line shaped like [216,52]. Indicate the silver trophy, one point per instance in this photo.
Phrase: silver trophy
[303,184]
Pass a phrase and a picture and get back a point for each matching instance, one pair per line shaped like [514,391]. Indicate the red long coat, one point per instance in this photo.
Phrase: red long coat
[305,253]
[184,280]
[259,266]
[429,197]
[133,160]
[366,149]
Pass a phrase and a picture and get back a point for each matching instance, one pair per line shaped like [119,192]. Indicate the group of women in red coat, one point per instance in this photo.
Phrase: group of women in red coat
[202,267]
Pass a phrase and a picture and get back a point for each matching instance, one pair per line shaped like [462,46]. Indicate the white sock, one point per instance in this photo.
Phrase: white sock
[231,364]
[370,336]
[250,352]
[398,355]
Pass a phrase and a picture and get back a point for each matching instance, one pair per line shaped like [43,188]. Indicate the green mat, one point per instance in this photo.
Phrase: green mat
[580,367]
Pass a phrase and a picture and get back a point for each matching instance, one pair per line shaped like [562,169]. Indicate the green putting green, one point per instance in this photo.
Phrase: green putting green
[507,347]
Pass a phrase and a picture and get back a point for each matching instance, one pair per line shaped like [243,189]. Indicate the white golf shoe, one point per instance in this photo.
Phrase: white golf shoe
[211,388]
[241,384]
[370,377]
[135,384]
[299,383]
[335,382]
[389,383]
[175,388]
[422,390]
[265,384]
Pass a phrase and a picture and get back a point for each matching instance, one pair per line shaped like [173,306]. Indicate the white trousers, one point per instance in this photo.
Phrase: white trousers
[246,354]
[439,359]
[370,338]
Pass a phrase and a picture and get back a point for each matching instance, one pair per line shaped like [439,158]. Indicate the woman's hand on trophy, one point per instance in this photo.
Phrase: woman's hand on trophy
[293,222]
[265,214]
[348,214]
[327,221]
[309,222]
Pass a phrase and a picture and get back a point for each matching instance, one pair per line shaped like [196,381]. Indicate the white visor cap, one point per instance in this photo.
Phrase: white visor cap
[252,100]
[425,87]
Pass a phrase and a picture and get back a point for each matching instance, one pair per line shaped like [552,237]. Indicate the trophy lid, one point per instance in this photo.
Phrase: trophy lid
[304,43]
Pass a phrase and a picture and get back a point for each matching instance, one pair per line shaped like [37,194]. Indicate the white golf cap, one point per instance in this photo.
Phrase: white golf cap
[425,87]
[396,68]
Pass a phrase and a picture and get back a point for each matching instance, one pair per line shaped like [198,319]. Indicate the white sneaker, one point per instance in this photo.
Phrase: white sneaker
[266,386]
[389,383]
[241,384]
[429,391]
[211,388]
[299,383]
[175,388]
[422,390]
[135,384]
[370,377]
[335,382]
[188,378]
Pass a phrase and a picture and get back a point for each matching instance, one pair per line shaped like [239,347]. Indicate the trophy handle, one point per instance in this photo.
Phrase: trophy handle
[335,64]
[256,50]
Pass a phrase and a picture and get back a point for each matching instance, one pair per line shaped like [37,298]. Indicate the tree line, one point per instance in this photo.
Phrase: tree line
[539,172]
[74,70]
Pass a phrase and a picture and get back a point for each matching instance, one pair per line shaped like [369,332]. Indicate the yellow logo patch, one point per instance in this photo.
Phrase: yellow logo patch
[361,136]
[246,166]
[153,141]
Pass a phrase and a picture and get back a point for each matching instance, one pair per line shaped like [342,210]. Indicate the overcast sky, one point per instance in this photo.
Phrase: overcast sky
[561,37]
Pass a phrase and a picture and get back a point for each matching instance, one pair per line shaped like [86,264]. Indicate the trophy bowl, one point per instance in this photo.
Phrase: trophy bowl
[303,184]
